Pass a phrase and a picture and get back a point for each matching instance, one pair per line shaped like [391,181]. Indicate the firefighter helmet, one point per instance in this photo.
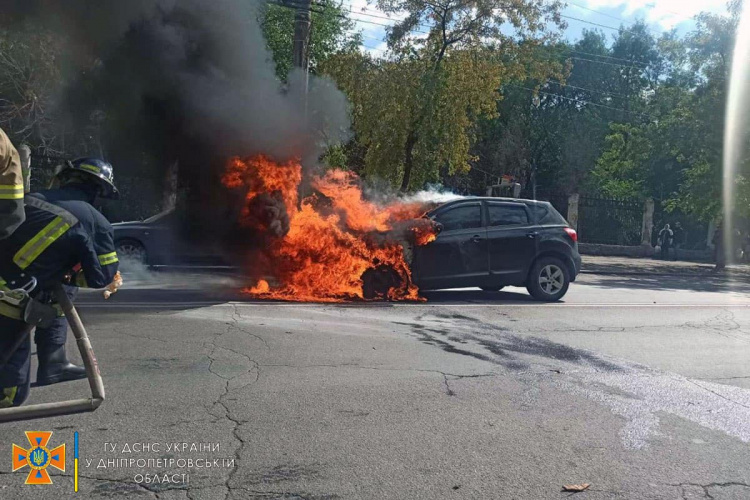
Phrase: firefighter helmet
[91,170]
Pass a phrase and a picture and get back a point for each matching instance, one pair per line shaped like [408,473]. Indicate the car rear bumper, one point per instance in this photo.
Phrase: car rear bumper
[577,263]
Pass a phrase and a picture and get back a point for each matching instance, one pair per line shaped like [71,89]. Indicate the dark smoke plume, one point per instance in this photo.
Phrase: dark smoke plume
[187,81]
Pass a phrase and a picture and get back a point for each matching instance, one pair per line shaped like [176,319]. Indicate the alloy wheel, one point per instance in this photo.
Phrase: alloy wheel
[551,279]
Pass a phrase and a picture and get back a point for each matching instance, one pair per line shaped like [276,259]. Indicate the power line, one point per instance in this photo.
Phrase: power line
[595,11]
[580,101]
[354,31]
[607,63]
[296,4]
[613,94]
[292,5]
[644,64]
[599,25]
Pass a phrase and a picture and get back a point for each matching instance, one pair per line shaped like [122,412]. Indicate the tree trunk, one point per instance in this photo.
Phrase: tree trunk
[411,140]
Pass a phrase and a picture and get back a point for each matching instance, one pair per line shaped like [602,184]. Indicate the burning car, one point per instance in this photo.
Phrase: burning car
[335,245]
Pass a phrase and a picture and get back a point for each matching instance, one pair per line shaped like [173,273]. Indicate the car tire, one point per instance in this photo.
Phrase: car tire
[491,288]
[132,250]
[549,279]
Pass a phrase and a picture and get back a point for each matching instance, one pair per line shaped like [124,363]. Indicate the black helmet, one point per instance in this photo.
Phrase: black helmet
[91,170]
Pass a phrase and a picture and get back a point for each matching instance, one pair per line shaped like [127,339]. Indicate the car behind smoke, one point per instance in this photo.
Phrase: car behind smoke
[161,240]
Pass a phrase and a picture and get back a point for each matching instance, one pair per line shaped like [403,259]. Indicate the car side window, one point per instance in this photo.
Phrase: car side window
[461,217]
[508,215]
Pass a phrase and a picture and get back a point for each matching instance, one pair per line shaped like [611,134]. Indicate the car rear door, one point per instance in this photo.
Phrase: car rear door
[458,257]
[512,241]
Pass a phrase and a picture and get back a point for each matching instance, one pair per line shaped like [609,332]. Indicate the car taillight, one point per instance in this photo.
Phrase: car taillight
[572,233]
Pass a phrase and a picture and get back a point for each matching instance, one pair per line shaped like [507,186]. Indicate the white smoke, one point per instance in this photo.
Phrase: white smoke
[431,196]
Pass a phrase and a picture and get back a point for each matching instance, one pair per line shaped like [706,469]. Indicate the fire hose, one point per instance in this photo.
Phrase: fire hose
[72,406]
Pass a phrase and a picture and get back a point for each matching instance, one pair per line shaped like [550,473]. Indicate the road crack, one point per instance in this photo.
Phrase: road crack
[229,386]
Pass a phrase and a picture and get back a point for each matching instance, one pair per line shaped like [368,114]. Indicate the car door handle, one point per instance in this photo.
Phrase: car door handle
[532,235]
[476,238]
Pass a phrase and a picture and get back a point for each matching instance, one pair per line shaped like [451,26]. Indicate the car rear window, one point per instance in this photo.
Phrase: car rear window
[461,217]
[508,215]
[546,214]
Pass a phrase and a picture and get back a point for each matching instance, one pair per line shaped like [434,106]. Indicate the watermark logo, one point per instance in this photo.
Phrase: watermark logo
[38,457]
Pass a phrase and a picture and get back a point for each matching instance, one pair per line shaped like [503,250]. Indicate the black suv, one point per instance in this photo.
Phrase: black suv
[494,242]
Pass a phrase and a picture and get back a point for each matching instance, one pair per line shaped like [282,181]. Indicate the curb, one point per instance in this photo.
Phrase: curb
[708,274]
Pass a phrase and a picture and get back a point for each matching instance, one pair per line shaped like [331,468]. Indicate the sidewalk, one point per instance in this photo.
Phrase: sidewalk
[594,264]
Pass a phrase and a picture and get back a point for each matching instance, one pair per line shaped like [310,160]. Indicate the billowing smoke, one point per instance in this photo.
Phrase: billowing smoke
[187,81]
[431,196]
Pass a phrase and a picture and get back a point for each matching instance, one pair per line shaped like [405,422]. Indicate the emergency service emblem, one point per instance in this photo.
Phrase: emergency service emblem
[38,457]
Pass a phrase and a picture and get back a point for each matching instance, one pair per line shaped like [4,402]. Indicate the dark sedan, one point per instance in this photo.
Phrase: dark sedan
[161,240]
[495,242]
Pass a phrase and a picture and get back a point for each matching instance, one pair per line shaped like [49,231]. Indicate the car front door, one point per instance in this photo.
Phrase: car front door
[512,242]
[458,257]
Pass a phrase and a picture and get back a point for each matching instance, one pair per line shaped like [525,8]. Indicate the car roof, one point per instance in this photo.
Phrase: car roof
[491,198]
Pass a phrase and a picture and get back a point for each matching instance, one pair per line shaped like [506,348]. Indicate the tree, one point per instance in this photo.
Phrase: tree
[416,112]
[331,32]
[30,76]
[675,153]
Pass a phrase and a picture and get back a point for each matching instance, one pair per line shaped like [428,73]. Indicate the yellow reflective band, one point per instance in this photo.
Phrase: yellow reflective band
[10,311]
[39,243]
[2,285]
[90,168]
[9,395]
[81,281]
[108,258]
[11,191]
[58,309]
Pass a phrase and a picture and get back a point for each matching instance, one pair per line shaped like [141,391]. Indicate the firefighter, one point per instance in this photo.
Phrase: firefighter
[11,188]
[74,183]
[61,231]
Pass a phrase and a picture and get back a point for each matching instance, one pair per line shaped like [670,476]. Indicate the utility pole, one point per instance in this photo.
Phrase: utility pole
[301,33]
[301,41]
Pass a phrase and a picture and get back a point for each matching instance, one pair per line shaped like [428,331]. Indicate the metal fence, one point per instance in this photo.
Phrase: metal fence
[609,221]
[694,234]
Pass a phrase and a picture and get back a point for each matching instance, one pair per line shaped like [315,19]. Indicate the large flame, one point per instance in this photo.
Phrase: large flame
[334,236]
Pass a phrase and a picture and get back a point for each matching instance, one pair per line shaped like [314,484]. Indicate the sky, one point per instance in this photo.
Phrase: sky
[661,15]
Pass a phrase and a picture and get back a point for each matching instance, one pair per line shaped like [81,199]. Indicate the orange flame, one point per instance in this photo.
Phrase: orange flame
[334,236]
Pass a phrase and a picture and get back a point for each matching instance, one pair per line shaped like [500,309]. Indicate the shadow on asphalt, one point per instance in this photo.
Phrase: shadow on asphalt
[190,299]
[723,283]
[474,296]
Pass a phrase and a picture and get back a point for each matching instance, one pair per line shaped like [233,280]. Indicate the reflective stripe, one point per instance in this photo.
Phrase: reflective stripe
[108,258]
[11,191]
[81,280]
[90,168]
[39,243]
[35,202]
[10,311]
[9,396]
[2,285]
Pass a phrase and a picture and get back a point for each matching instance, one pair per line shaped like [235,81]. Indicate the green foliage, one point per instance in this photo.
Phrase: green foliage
[330,32]
[675,155]
[417,112]
[335,158]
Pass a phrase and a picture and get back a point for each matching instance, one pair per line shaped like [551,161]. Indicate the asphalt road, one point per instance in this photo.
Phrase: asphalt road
[637,385]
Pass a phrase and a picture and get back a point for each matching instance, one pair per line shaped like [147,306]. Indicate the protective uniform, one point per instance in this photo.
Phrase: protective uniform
[50,339]
[60,232]
[11,188]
